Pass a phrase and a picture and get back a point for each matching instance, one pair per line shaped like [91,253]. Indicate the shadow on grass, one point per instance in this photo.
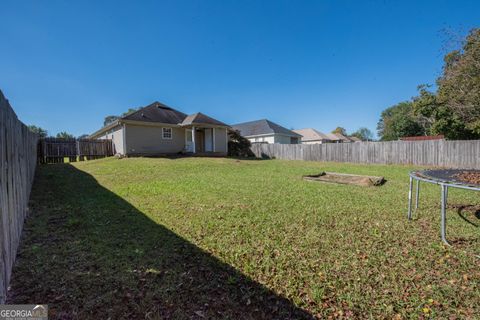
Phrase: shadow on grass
[90,254]
[475,212]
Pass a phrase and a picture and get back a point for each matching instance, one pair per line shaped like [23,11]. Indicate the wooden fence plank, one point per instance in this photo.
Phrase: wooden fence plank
[55,150]
[18,152]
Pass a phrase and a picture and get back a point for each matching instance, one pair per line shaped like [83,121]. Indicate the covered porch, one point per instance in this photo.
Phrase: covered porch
[205,135]
[200,140]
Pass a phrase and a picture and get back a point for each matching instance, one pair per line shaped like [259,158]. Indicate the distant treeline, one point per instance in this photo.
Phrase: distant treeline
[453,110]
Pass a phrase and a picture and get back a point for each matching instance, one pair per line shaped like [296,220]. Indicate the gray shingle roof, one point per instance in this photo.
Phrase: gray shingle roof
[263,126]
[157,112]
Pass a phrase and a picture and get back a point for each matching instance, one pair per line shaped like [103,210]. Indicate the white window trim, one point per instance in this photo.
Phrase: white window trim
[163,133]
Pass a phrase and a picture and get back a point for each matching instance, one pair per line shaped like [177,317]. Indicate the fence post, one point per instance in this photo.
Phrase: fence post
[78,149]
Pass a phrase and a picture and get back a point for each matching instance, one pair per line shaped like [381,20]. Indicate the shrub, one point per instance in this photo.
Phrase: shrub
[238,146]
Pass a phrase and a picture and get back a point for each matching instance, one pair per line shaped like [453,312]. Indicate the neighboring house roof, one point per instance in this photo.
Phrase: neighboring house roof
[421,138]
[355,139]
[333,137]
[310,134]
[200,118]
[338,137]
[342,137]
[262,127]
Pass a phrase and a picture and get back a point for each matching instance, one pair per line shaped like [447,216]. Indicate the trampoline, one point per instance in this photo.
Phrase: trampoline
[446,178]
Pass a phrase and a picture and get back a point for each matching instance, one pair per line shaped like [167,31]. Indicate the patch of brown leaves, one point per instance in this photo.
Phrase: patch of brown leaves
[469,177]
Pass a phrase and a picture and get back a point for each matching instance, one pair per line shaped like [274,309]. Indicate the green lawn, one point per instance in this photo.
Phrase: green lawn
[198,238]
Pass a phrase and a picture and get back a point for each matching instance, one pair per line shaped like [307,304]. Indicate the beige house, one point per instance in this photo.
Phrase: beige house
[312,136]
[160,130]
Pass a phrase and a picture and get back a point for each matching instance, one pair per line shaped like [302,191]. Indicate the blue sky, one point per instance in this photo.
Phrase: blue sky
[65,65]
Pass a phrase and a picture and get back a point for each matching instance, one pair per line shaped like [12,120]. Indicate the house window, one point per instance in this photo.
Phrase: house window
[167,133]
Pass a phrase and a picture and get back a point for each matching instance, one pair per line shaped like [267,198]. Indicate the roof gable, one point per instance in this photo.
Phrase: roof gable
[200,118]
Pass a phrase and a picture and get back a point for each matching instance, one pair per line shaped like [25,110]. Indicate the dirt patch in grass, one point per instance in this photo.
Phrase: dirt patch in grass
[343,178]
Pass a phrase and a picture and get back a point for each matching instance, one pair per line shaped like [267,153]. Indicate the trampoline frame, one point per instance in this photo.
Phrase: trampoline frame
[444,185]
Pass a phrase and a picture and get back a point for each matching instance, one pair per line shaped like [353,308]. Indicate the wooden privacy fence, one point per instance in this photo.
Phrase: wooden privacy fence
[454,154]
[55,150]
[17,167]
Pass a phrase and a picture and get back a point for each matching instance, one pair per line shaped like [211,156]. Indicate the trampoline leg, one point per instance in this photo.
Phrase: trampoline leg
[410,199]
[417,194]
[443,229]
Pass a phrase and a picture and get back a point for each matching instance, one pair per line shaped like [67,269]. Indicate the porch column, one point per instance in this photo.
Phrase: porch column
[193,140]
[213,139]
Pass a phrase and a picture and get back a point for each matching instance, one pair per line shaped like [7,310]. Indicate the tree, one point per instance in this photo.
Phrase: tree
[238,146]
[398,121]
[129,111]
[436,117]
[454,110]
[340,130]
[42,133]
[65,135]
[459,86]
[363,134]
[109,119]
[425,107]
